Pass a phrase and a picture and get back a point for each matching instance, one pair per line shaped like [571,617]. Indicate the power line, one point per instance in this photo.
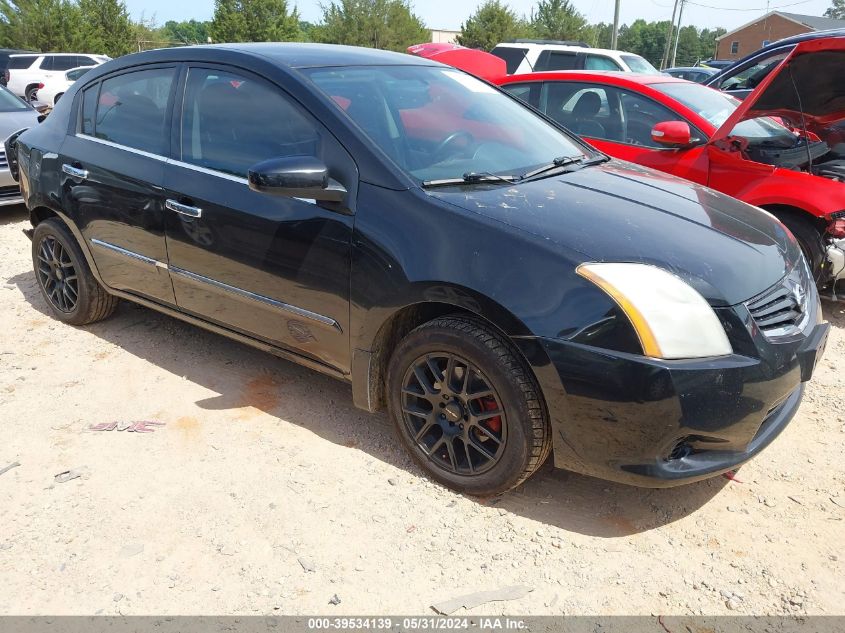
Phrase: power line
[768,8]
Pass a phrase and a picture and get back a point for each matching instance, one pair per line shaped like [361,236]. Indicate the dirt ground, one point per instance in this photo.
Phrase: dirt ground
[267,492]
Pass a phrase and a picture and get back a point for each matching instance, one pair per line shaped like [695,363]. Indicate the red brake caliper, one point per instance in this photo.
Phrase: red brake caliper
[494,424]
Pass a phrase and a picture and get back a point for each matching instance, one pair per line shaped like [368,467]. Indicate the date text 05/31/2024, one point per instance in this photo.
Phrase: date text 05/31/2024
[431,623]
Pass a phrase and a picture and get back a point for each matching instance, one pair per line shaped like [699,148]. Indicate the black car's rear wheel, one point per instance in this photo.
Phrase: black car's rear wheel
[467,407]
[67,285]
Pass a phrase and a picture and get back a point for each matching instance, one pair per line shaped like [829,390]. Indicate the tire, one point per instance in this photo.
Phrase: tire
[58,96]
[810,241]
[31,93]
[72,293]
[479,375]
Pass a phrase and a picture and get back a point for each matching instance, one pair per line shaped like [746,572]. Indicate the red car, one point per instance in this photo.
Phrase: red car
[793,165]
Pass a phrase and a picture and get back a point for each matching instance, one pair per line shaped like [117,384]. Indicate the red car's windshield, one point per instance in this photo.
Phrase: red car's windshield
[716,107]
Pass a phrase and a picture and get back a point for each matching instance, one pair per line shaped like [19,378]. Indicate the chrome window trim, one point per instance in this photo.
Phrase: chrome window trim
[319,318]
[178,163]
[127,253]
[163,159]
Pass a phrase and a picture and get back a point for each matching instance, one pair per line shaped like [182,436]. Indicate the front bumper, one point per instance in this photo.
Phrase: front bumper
[659,423]
[10,192]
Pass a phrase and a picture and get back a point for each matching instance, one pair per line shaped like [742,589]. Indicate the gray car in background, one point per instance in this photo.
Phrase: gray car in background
[15,114]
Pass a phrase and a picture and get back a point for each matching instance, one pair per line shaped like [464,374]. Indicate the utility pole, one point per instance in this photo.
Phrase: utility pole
[615,37]
[678,36]
[665,59]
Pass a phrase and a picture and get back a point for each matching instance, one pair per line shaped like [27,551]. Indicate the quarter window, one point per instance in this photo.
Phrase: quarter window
[89,109]
[230,122]
[513,56]
[20,62]
[131,109]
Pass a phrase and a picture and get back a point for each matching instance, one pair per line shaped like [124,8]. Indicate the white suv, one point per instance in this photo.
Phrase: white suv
[525,56]
[28,71]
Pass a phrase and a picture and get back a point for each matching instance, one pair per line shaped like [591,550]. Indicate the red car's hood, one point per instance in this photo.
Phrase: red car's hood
[475,62]
[808,80]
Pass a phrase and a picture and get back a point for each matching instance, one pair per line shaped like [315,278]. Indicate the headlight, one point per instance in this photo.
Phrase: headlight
[670,318]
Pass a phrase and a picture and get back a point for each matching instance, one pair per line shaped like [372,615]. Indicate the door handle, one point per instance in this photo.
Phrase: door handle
[184,209]
[75,172]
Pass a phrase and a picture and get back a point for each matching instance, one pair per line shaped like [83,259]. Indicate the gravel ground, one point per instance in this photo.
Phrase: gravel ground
[267,492]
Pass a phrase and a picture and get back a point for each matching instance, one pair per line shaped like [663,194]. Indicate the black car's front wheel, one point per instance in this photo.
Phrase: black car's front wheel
[467,407]
[72,293]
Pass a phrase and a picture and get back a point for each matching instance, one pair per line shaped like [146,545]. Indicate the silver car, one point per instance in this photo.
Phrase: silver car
[15,114]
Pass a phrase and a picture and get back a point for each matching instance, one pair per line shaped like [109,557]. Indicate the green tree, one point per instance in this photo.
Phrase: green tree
[836,10]
[254,21]
[105,27]
[492,22]
[600,35]
[41,25]
[187,31]
[559,20]
[647,39]
[386,24]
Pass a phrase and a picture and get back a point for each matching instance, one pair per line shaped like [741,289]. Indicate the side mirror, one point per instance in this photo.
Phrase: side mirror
[295,177]
[673,134]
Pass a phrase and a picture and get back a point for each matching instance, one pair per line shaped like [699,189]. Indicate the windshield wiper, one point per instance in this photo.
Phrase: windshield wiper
[563,162]
[471,178]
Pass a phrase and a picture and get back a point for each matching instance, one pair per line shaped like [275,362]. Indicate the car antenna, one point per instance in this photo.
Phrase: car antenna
[803,122]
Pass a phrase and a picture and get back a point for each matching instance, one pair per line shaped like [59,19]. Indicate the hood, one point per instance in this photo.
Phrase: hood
[11,122]
[809,79]
[475,62]
[727,250]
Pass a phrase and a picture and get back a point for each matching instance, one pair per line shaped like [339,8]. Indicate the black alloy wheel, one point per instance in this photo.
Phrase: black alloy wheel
[71,291]
[57,275]
[467,406]
[453,413]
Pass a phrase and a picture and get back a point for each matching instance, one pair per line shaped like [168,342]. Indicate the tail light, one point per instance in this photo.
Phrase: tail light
[40,86]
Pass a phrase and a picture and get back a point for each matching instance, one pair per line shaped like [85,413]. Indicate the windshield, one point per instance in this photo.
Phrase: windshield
[10,103]
[440,123]
[716,107]
[639,65]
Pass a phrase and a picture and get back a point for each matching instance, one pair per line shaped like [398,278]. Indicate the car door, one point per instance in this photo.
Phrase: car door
[275,268]
[113,170]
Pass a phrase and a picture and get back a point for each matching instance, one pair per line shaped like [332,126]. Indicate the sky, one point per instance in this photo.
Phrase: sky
[449,14]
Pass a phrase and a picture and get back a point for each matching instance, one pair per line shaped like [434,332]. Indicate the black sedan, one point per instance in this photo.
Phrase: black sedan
[499,286]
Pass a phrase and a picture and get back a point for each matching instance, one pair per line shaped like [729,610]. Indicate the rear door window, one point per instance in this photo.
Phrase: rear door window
[586,109]
[64,62]
[556,60]
[47,63]
[131,109]
[513,56]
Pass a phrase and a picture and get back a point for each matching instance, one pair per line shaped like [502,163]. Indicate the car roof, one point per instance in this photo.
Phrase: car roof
[566,47]
[608,76]
[304,55]
[36,54]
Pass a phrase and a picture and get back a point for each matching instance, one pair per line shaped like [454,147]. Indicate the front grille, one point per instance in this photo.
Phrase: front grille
[782,309]
[12,191]
[3,162]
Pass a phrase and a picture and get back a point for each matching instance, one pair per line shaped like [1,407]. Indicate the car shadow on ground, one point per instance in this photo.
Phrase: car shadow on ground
[246,377]
[12,214]
[834,311]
